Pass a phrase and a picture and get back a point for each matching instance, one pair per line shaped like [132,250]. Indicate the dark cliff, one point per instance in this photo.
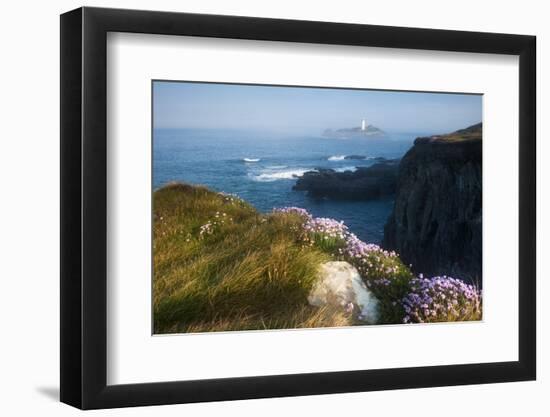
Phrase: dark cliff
[436,222]
[365,183]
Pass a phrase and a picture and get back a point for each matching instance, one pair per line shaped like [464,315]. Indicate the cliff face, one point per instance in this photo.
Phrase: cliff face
[436,222]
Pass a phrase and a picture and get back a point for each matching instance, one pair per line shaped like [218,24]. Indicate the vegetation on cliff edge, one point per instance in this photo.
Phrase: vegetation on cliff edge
[220,265]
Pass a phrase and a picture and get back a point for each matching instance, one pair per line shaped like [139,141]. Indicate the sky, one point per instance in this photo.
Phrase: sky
[306,109]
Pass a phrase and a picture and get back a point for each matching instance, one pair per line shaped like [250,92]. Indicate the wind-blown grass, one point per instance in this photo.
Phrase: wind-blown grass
[247,271]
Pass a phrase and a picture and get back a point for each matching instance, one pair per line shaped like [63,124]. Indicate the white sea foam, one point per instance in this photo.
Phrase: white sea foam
[343,169]
[268,176]
[337,158]
[251,159]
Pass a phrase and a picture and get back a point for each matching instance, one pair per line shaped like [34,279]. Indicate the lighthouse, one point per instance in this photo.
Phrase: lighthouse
[363,125]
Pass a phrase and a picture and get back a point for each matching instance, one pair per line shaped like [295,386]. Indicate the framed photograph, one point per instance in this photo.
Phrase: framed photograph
[257,208]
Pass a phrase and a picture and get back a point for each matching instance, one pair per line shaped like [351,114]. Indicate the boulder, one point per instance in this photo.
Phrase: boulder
[340,285]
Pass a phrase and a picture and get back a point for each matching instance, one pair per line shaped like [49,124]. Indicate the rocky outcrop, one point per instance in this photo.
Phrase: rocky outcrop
[365,183]
[340,286]
[436,222]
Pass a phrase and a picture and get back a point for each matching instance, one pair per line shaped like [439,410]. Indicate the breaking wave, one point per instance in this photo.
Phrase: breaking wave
[290,174]
[343,169]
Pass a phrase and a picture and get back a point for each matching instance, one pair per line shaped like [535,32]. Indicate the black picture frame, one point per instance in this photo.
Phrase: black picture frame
[84,207]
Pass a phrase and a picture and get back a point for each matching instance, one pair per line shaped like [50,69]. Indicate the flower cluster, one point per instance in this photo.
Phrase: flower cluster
[293,210]
[206,229]
[329,228]
[333,236]
[402,297]
[220,218]
[371,260]
[229,198]
[441,299]
[356,248]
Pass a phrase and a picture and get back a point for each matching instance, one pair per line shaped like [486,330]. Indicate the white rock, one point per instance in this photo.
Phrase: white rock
[340,285]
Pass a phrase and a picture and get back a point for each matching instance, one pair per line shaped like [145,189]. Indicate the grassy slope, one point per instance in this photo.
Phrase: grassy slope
[251,272]
[471,133]
[221,265]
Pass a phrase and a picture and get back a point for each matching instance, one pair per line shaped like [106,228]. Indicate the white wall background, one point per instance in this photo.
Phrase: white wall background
[29,225]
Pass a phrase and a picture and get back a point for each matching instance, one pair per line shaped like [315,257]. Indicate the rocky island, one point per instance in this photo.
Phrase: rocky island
[436,222]
[364,131]
[365,183]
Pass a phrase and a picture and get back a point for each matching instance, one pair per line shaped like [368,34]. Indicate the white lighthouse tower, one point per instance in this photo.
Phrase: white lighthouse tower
[363,125]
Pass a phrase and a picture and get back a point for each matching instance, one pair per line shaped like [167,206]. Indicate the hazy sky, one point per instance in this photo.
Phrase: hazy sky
[200,105]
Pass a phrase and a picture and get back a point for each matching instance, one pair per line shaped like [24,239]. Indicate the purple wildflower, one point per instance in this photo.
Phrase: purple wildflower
[293,210]
[441,299]
[327,227]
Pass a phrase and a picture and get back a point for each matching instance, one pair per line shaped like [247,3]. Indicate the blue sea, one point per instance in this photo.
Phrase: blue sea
[218,159]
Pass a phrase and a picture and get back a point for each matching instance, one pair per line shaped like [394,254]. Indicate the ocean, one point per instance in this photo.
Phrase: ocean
[262,167]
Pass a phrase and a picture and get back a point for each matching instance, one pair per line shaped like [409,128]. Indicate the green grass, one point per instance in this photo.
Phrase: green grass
[454,138]
[471,133]
[246,271]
